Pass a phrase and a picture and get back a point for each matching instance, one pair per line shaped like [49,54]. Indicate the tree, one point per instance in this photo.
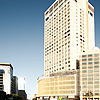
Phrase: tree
[16,97]
[88,94]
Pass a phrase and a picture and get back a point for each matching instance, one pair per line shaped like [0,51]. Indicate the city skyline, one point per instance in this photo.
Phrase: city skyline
[22,28]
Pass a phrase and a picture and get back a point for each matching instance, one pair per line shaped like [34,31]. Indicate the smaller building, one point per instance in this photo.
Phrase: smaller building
[21,88]
[21,83]
[22,94]
[90,75]
[15,84]
[60,85]
[6,78]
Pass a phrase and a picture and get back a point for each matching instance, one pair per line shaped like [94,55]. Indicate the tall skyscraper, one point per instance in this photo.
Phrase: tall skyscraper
[69,30]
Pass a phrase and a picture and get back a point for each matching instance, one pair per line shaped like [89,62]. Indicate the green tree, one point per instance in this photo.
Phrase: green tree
[16,97]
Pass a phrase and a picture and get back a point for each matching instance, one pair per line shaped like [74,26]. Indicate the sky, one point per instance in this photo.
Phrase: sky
[22,37]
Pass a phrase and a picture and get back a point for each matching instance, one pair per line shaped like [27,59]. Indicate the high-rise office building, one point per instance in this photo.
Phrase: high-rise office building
[69,30]
[6,78]
[90,74]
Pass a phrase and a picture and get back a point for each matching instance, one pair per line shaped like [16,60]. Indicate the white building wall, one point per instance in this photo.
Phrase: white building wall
[91,29]
[73,34]
[21,83]
[6,79]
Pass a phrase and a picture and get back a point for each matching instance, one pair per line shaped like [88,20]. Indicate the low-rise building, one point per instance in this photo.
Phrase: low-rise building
[6,78]
[15,84]
[59,84]
[90,74]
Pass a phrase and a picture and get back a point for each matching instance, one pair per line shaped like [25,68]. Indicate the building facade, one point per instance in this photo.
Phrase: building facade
[15,84]
[60,85]
[6,78]
[68,30]
[21,83]
[90,74]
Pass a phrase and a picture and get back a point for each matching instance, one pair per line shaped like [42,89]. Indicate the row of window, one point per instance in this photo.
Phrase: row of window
[90,55]
[90,82]
[96,86]
[95,70]
[89,59]
[85,67]
[85,63]
[91,78]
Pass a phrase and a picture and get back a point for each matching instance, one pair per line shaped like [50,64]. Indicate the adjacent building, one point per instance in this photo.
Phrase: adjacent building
[6,78]
[90,74]
[22,94]
[68,30]
[21,88]
[15,84]
[21,83]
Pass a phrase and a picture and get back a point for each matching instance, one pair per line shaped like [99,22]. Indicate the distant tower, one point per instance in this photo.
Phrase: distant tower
[6,78]
[21,88]
[15,84]
[21,83]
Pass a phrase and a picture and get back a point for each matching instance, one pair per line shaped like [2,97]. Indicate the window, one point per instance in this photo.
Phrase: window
[96,62]
[84,79]
[62,67]
[91,14]
[84,89]
[96,54]
[96,93]
[84,75]
[84,71]
[96,85]
[96,82]
[84,59]
[90,74]
[90,82]
[96,78]
[84,82]
[84,55]
[90,55]
[90,86]
[90,78]
[96,90]
[96,66]
[90,63]
[84,63]
[96,58]
[84,86]
[90,70]
[89,59]
[90,66]
[96,74]
[84,67]
[96,70]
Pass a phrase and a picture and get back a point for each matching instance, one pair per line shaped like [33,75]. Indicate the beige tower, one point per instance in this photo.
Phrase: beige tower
[69,30]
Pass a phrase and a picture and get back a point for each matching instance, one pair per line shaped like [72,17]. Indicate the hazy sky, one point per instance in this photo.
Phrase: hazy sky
[21,37]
